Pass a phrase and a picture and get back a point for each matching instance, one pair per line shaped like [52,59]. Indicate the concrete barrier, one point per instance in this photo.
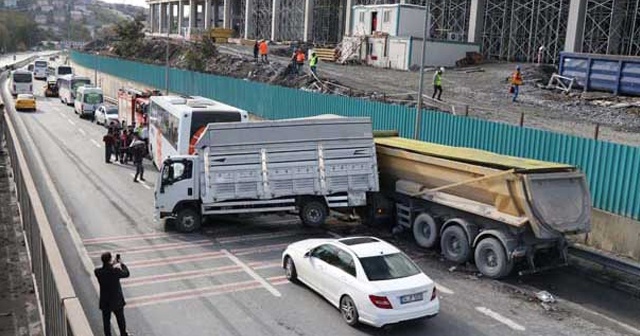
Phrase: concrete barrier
[63,314]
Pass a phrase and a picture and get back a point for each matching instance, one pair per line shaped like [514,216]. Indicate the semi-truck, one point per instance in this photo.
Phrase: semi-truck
[306,166]
[474,205]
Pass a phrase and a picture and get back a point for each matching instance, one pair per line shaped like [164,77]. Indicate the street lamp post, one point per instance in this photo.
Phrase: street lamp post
[427,25]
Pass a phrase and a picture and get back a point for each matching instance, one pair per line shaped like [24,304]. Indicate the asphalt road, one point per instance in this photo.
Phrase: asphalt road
[227,280]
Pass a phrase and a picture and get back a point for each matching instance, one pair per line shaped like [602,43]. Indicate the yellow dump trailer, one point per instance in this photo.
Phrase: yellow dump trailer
[481,206]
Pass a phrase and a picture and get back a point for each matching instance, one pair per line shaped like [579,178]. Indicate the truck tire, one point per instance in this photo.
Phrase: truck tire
[188,220]
[313,213]
[491,259]
[425,231]
[455,245]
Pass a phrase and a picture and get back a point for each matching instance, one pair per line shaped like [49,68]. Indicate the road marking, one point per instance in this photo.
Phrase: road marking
[176,259]
[444,289]
[161,247]
[260,249]
[99,240]
[504,320]
[245,238]
[82,131]
[143,183]
[96,143]
[152,279]
[622,325]
[253,274]
[71,122]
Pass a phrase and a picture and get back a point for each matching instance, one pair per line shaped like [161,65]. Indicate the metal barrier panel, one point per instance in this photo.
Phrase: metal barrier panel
[616,74]
[611,169]
[63,314]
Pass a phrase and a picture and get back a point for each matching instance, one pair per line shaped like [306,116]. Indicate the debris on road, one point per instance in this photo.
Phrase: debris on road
[545,297]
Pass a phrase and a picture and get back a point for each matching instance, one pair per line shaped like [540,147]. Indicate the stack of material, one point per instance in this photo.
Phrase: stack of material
[221,35]
[326,54]
[472,58]
[349,48]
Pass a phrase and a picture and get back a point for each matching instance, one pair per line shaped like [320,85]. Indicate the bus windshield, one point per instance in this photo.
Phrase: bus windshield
[64,70]
[93,98]
[201,119]
[22,78]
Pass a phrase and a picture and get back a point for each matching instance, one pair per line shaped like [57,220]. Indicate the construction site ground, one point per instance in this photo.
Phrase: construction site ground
[484,89]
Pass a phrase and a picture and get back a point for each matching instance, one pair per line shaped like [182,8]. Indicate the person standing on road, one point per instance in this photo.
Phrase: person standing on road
[111,297]
[109,141]
[437,84]
[264,51]
[516,81]
[137,147]
[313,63]
[124,145]
[117,144]
[299,60]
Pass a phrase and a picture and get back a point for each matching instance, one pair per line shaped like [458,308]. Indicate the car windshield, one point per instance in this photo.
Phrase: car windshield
[93,98]
[387,267]
[25,96]
[112,111]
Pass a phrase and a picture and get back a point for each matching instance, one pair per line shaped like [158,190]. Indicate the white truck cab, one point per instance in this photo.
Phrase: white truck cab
[177,185]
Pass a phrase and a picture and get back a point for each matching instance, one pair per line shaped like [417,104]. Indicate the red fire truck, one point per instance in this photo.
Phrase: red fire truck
[133,105]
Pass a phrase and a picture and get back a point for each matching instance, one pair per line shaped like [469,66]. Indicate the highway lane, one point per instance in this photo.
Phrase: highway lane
[226,280]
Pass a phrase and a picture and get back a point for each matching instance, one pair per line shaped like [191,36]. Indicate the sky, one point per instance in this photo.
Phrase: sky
[142,3]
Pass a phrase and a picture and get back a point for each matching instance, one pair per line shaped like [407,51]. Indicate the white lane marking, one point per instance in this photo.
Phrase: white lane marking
[252,273]
[96,143]
[143,183]
[443,289]
[622,325]
[504,320]
[334,235]
[82,131]
[71,122]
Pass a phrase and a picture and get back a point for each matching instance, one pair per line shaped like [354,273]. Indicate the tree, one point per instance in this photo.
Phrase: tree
[130,35]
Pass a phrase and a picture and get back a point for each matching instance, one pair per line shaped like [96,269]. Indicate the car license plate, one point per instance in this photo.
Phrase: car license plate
[411,298]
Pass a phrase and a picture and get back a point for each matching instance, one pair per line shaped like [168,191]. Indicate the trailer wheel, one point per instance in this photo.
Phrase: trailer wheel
[491,259]
[455,245]
[313,213]
[425,231]
[188,220]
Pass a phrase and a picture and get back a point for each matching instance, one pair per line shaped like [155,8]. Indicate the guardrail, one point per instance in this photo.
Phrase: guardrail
[63,314]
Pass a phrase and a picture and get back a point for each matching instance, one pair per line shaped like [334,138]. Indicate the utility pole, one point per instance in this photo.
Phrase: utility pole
[427,26]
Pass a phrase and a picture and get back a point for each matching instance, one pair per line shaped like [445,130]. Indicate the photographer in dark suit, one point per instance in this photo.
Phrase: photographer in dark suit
[111,298]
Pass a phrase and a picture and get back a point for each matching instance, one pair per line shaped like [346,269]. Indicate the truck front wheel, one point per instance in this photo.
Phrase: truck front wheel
[455,245]
[491,259]
[188,220]
[313,213]
[425,231]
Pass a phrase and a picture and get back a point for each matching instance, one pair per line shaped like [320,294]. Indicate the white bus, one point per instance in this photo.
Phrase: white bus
[56,71]
[68,85]
[21,82]
[176,123]
[88,99]
[40,69]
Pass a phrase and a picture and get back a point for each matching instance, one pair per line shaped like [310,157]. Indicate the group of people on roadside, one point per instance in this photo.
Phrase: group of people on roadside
[514,89]
[127,144]
[261,51]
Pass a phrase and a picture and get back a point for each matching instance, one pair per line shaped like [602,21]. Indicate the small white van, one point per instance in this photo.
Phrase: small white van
[88,99]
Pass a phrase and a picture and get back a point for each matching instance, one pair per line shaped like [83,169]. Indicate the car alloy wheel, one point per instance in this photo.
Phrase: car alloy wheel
[349,311]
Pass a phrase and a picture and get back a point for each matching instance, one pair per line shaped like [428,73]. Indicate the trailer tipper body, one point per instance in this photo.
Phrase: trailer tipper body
[480,206]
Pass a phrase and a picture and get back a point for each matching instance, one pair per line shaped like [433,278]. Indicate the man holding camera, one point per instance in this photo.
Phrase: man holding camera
[111,298]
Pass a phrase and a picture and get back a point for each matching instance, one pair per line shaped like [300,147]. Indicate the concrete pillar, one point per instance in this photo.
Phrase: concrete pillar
[476,21]
[248,18]
[207,14]
[348,18]
[226,14]
[308,21]
[575,26]
[216,13]
[180,16]
[275,18]
[162,12]
[150,20]
[171,16]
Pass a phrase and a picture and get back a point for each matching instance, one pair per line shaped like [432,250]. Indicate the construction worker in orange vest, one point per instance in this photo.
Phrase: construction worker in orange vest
[516,81]
[300,58]
[264,50]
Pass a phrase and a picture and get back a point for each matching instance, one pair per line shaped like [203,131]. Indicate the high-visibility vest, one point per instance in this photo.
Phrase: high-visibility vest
[313,61]
[516,79]
[437,79]
[300,57]
[263,48]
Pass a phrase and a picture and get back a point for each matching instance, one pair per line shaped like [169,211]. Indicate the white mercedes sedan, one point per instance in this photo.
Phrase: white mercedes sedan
[369,280]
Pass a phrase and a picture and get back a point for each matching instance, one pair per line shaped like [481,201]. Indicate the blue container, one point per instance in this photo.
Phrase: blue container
[609,73]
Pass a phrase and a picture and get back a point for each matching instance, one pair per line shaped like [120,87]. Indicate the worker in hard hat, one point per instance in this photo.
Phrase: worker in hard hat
[300,58]
[437,83]
[313,63]
[516,81]
[264,51]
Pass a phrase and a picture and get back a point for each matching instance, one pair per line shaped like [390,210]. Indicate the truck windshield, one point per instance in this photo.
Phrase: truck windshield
[387,267]
[22,78]
[93,98]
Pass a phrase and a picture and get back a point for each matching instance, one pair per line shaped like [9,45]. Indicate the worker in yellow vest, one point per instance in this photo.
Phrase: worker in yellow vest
[313,63]
[437,83]
[516,81]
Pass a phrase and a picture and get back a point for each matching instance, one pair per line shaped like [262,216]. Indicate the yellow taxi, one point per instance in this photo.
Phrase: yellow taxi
[25,102]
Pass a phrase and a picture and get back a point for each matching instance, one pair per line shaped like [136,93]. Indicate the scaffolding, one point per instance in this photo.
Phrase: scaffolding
[260,13]
[291,20]
[518,30]
[450,18]
[612,27]
[328,21]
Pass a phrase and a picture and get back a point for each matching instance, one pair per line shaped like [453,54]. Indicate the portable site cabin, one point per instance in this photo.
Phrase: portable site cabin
[392,37]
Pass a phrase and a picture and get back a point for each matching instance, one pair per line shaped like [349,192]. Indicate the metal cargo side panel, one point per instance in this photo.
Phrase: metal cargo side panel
[610,73]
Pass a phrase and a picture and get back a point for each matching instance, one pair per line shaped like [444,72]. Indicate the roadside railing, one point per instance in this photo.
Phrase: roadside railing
[61,309]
